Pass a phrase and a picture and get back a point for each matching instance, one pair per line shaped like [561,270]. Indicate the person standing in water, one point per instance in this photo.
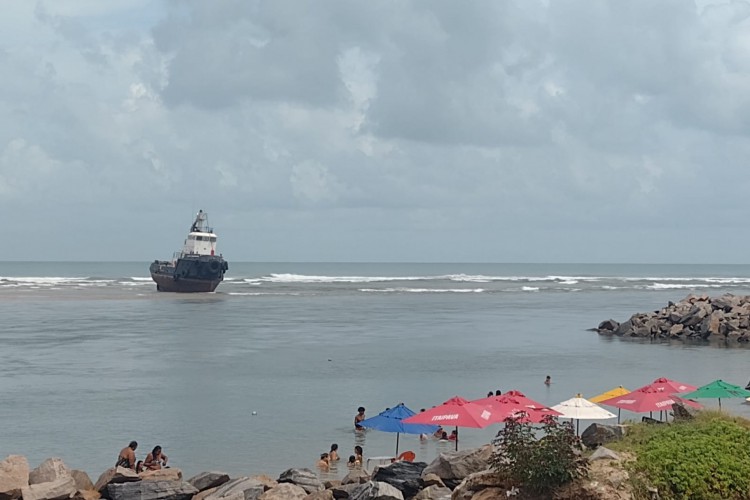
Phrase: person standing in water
[360,416]
[548,380]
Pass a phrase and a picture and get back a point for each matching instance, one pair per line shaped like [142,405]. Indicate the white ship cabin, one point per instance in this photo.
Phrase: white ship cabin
[201,240]
[199,243]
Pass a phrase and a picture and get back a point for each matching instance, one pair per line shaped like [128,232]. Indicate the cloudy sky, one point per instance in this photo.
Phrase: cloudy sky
[484,131]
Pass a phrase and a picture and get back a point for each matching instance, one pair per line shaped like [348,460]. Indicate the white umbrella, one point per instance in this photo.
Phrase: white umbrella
[580,408]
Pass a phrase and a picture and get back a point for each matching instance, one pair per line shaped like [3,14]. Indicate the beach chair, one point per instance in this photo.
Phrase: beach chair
[407,456]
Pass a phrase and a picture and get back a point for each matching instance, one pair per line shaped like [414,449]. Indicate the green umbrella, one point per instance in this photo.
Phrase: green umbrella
[716,390]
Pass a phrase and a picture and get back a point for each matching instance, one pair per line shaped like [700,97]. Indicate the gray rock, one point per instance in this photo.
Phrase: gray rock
[242,488]
[114,475]
[206,480]
[59,489]
[372,490]
[321,495]
[50,470]
[434,492]
[603,453]
[404,476]
[458,465]
[356,476]
[344,491]
[599,434]
[608,326]
[83,481]
[151,490]
[14,475]
[302,477]
[284,491]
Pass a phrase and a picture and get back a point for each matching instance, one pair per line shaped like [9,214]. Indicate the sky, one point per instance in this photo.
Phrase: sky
[386,131]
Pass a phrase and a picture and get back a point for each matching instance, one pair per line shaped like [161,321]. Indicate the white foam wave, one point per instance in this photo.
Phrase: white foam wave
[255,294]
[422,290]
[670,286]
[302,278]
[530,288]
[140,278]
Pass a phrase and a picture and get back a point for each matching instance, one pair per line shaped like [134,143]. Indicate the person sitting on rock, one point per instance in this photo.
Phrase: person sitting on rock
[126,458]
[155,460]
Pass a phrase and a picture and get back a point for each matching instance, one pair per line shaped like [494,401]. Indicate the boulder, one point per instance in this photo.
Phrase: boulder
[356,476]
[404,476]
[321,495]
[14,475]
[460,464]
[434,492]
[608,326]
[603,453]
[87,495]
[284,491]
[480,481]
[599,434]
[331,483]
[373,490]
[83,481]
[59,489]
[625,328]
[50,470]
[207,480]
[431,479]
[169,474]
[241,488]
[302,477]
[151,490]
[114,475]
[267,481]
[203,494]
[491,494]
[344,491]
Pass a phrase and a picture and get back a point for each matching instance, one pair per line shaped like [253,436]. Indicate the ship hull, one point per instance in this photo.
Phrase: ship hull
[189,274]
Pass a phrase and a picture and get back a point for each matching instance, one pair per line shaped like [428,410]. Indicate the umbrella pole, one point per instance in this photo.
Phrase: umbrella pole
[618,415]
[397,435]
[456,438]
[719,404]
[578,423]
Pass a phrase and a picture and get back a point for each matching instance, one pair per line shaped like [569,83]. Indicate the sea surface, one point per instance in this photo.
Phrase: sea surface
[268,371]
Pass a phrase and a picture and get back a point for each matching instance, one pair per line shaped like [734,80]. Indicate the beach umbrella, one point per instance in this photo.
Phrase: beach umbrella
[508,406]
[612,393]
[513,402]
[391,420]
[669,386]
[647,399]
[579,408]
[716,390]
[457,412]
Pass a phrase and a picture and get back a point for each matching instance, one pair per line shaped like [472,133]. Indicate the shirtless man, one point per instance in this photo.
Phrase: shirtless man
[126,458]
[360,416]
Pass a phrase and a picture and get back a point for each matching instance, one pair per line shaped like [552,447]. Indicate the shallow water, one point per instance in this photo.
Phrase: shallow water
[91,356]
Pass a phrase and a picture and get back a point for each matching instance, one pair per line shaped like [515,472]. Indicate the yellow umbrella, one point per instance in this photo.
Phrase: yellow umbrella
[617,391]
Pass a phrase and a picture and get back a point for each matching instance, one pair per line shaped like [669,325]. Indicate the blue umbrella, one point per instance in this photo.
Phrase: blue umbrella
[390,420]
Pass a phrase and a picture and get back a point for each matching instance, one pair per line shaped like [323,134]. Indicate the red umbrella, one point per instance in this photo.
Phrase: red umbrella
[647,399]
[669,386]
[507,406]
[456,412]
[526,401]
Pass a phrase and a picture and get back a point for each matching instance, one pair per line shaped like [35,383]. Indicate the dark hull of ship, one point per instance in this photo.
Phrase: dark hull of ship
[189,275]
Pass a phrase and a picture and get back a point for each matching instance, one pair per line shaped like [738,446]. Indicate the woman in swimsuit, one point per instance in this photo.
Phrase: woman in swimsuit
[155,460]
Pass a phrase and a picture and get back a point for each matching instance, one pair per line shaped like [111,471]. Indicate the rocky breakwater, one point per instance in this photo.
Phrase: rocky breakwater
[695,316]
[52,480]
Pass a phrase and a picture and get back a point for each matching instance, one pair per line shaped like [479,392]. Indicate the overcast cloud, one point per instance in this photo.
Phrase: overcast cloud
[487,131]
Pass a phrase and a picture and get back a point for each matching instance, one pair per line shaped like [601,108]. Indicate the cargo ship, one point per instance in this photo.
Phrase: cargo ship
[197,268]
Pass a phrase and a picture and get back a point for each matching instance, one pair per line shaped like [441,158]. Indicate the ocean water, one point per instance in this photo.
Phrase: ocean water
[268,371]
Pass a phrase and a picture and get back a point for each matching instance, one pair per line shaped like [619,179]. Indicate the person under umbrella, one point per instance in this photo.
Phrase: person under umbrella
[391,420]
[457,412]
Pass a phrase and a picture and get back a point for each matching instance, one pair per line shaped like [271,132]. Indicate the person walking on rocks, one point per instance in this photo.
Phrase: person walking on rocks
[126,458]
[155,460]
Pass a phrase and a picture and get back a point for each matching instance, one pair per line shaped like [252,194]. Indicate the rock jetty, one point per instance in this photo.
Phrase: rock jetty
[695,317]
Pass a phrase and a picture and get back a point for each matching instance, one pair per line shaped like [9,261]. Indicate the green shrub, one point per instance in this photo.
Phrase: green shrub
[705,459]
[538,465]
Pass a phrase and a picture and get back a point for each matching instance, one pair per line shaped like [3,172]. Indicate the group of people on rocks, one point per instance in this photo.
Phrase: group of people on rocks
[154,460]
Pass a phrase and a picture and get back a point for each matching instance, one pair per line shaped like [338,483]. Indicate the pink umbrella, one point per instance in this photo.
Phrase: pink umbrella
[669,386]
[647,399]
[457,412]
[506,406]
